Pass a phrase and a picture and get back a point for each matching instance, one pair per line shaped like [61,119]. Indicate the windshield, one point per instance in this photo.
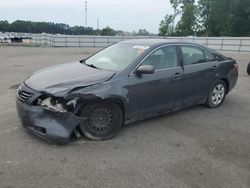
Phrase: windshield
[116,57]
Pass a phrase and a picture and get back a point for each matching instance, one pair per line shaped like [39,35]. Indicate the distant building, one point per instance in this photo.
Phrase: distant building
[26,38]
[10,37]
[4,38]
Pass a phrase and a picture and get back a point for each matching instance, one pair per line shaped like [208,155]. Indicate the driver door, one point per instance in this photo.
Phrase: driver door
[152,94]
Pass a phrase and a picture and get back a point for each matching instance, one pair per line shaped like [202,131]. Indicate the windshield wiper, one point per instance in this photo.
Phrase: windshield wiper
[91,65]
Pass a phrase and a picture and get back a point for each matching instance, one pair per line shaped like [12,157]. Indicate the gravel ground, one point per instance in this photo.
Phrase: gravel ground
[197,147]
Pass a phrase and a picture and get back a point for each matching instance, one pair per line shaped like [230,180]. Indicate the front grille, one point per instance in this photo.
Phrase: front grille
[23,96]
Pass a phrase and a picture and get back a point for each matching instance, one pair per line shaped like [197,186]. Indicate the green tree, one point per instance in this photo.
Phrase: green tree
[224,17]
[176,5]
[188,22]
[45,27]
[204,7]
[217,15]
[4,26]
[108,31]
[143,32]
[240,20]
[208,17]
[166,26]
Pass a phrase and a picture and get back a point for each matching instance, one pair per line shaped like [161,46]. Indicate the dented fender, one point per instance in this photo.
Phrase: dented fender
[103,91]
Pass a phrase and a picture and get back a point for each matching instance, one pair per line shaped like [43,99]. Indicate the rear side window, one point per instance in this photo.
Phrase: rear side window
[163,58]
[209,57]
[194,55]
[217,55]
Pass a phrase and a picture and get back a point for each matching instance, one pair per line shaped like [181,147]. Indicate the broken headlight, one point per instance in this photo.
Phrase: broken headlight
[53,104]
[58,104]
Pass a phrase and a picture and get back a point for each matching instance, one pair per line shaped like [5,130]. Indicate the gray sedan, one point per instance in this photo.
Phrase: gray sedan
[126,82]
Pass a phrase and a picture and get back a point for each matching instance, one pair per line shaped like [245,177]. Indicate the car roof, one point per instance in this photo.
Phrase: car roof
[156,42]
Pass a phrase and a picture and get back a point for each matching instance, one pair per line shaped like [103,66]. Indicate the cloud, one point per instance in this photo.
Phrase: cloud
[19,3]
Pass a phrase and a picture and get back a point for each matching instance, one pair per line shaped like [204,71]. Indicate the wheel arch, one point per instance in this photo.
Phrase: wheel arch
[227,84]
[116,100]
[120,103]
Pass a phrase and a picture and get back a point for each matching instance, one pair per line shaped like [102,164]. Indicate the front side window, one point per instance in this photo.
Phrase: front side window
[163,58]
[116,57]
[194,55]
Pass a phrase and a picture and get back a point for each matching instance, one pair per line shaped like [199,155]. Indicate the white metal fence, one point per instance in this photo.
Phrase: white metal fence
[239,44]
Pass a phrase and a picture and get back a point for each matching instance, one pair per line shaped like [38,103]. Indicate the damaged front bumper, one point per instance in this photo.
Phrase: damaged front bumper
[54,127]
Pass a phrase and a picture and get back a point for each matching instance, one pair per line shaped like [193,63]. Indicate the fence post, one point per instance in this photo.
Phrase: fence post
[65,42]
[40,40]
[79,41]
[240,45]
[48,40]
[44,41]
[222,43]
[206,41]
[31,40]
[94,41]
[108,41]
[52,40]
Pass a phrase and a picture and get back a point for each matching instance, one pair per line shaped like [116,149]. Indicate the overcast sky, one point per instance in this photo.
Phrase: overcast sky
[127,15]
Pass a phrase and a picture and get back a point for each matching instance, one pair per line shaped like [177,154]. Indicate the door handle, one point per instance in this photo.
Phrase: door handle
[177,76]
[215,67]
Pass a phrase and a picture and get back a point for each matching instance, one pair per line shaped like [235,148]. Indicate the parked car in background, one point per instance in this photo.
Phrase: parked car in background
[126,82]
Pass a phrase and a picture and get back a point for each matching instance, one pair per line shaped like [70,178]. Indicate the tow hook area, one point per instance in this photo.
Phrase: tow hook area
[55,128]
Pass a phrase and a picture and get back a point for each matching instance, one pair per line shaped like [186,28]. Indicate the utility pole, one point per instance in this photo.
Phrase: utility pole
[98,24]
[86,14]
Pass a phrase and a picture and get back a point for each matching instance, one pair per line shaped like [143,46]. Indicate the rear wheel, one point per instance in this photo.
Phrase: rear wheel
[217,95]
[102,120]
[248,68]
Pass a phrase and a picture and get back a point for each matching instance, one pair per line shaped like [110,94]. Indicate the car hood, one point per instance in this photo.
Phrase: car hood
[62,78]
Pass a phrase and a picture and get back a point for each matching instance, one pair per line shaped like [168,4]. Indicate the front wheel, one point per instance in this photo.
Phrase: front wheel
[102,120]
[217,95]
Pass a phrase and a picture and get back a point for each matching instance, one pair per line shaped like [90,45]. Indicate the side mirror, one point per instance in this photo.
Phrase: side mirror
[145,69]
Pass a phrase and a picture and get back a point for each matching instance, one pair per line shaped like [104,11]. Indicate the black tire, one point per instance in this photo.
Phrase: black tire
[102,120]
[248,69]
[217,95]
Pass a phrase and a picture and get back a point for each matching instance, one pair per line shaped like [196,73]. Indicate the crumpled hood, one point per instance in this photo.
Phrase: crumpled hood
[63,78]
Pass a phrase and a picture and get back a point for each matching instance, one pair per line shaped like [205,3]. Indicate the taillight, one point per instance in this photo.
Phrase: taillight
[236,66]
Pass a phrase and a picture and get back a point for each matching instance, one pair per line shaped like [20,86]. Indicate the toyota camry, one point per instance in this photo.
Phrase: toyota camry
[123,83]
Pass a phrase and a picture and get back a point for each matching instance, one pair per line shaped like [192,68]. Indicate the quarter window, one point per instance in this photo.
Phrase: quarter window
[163,58]
[209,57]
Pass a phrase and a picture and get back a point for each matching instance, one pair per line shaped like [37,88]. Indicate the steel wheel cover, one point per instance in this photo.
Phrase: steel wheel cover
[100,120]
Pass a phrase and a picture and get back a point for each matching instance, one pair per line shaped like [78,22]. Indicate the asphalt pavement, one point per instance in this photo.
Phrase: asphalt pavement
[196,147]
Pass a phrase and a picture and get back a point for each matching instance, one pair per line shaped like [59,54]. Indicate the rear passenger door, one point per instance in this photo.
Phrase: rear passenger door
[200,70]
